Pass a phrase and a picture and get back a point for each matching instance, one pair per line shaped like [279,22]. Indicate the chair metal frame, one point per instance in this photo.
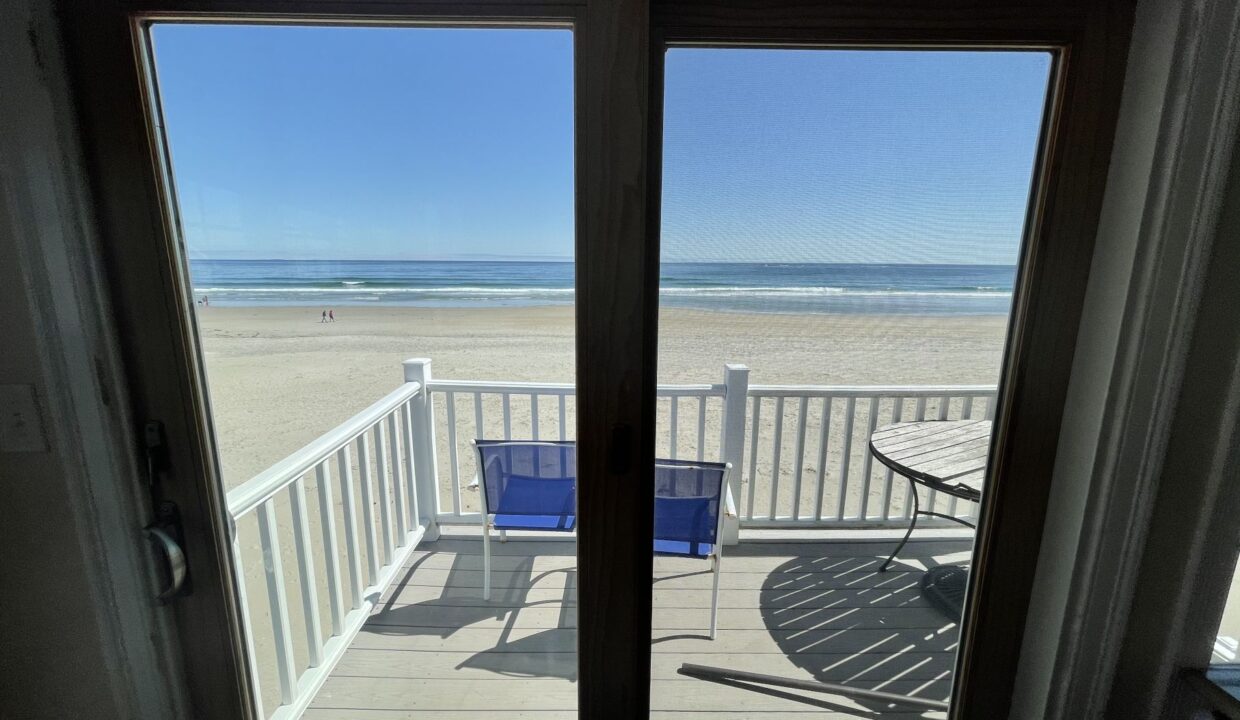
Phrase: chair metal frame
[716,551]
[488,518]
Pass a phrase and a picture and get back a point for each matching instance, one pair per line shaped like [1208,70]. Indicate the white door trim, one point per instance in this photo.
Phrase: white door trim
[1133,348]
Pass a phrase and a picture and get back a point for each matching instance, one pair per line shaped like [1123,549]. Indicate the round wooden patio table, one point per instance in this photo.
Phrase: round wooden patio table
[947,456]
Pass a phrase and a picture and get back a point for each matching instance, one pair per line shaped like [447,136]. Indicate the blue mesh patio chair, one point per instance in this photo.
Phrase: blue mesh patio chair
[688,515]
[526,485]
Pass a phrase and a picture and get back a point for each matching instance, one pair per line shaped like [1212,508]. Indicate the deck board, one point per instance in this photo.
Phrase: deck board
[434,650]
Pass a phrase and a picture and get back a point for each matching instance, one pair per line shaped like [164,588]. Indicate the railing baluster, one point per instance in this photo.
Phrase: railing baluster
[411,484]
[802,416]
[988,415]
[385,493]
[368,507]
[897,412]
[345,471]
[563,418]
[779,441]
[331,549]
[674,432]
[398,489]
[453,464]
[932,497]
[277,600]
[920,414]
[867,462]
[247,622]
[701,433]
[478,417]
[850,408]
[534,415]
[478,433]
[966,410]
[951,499]
[305,571]
[507,403]
[824,441]
[753,455]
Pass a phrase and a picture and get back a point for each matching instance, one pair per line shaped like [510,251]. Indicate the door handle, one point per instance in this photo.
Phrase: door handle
[175,558]
[167,535]
[166,532]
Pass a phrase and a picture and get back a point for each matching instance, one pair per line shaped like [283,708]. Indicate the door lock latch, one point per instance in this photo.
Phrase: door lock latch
[166,532]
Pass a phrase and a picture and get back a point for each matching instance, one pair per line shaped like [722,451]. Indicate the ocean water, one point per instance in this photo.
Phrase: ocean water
[737,287]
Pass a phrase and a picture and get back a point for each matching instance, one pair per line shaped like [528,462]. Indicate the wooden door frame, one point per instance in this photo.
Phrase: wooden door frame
[619,147]
[1089,42]
[618,292]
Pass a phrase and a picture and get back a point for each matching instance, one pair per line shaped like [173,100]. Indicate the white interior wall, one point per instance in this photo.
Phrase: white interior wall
[49,628]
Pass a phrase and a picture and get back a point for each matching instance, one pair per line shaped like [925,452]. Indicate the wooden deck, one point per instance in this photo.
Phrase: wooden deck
[433,649]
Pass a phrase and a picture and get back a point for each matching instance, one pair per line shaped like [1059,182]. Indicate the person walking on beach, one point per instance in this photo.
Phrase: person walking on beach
[324,319]
[331,316]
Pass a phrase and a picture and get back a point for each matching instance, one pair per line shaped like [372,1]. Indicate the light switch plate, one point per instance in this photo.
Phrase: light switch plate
[21,420]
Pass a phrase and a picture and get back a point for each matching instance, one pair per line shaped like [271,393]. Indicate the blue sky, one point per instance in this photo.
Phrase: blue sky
[385,143]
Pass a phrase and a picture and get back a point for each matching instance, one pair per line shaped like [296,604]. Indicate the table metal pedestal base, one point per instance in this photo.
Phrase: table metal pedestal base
[912,488]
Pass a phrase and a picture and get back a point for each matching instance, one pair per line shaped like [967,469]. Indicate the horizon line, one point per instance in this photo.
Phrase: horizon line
[569,261]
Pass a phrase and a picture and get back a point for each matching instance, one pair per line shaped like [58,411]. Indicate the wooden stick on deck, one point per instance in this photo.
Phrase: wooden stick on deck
[705,672]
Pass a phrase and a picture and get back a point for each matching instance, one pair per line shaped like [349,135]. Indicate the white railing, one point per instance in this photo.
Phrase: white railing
[468,410]
[799,457]
[384,468]
[809,460]
[799,453]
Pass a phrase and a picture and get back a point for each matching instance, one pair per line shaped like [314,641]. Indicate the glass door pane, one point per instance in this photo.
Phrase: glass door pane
[378,235]
[841,230]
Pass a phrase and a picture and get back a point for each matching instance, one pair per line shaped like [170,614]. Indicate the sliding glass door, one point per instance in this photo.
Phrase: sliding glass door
[350,244]
[377,237]
[841,233]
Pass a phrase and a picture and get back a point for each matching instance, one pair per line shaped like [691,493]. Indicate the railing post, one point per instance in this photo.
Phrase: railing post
[427,470]
[736,395]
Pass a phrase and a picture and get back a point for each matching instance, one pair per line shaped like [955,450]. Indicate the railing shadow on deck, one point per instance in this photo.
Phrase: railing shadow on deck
[827,612]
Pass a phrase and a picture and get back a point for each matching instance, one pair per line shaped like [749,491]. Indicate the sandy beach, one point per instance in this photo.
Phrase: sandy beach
[279,378]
